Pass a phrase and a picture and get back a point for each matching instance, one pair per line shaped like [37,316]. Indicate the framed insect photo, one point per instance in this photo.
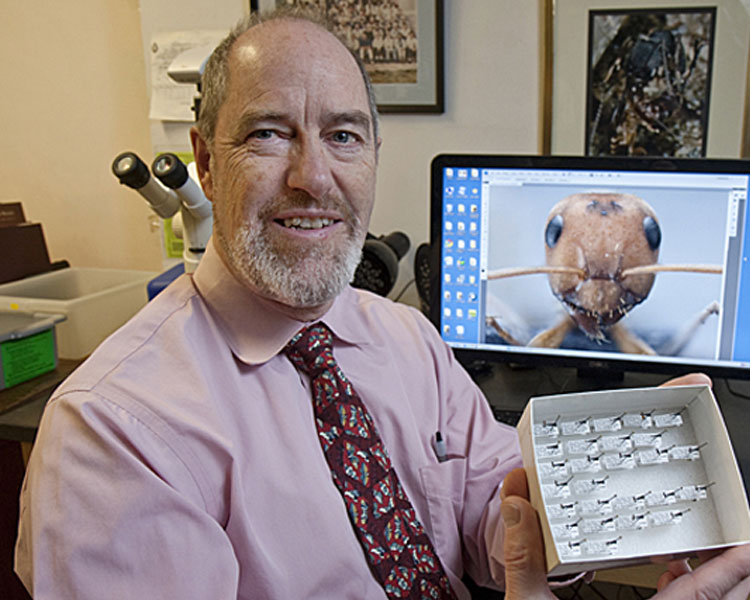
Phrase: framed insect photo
[647,78]
[648,88]
[400,43]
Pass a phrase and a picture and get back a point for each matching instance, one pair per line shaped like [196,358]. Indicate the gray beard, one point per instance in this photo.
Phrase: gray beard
[290,277]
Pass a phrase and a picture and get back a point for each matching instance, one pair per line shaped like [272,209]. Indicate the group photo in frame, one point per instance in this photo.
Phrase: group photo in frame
[400,43]
[646,78]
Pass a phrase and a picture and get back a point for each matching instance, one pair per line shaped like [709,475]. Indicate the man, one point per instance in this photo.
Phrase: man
[182,460]
[187,458]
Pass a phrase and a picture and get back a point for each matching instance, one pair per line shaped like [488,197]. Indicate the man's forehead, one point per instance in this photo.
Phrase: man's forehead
[287,38]
[287,53]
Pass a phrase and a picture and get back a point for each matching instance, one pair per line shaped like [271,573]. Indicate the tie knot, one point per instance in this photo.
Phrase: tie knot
[311,349]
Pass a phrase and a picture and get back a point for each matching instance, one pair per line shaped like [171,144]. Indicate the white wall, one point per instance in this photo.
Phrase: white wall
[75,95]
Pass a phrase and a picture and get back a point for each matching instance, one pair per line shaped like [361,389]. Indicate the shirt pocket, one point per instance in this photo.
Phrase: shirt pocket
[443,487]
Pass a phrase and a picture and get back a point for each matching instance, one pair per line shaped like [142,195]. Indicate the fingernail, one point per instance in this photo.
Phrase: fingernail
[511,513]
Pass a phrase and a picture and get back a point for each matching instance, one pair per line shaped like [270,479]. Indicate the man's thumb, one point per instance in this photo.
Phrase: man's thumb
[525,573]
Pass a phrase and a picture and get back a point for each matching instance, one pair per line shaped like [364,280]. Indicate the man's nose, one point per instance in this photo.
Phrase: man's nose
[310,169]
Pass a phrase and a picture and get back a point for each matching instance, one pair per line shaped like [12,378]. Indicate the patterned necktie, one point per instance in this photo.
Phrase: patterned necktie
[400,554]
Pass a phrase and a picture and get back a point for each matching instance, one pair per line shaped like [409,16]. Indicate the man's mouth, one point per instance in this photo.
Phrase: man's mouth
[307,223]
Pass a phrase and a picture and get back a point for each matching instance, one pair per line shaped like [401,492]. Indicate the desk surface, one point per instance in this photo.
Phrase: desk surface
[21,406]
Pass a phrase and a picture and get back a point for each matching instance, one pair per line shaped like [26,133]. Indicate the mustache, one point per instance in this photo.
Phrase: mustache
[301,199]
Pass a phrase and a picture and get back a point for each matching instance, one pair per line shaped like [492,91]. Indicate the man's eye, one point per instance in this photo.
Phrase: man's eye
[344,137]
[262,134]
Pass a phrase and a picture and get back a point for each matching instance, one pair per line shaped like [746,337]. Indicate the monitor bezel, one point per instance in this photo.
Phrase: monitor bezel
[604,367]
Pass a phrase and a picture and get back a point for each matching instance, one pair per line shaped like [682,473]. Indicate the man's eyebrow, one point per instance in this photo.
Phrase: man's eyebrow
[357,118]
[249,119]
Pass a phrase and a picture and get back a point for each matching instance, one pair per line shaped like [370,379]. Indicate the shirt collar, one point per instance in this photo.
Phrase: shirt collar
[254,330]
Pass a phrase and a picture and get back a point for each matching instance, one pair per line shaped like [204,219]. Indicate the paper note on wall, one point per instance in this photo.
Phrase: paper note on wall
[172,101]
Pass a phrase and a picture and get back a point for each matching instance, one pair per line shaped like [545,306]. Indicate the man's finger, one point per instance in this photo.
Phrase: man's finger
[675,569]
[689,379]
[515,484]
[525,573]
[725,576]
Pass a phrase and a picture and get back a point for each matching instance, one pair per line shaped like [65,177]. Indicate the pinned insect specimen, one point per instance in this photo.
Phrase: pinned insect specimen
[602,253]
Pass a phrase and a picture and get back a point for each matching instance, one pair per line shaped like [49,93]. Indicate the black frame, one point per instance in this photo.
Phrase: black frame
[642,22]
[604,367]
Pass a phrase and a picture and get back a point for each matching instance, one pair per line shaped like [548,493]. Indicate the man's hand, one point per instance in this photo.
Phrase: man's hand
[725,577]
[525,573]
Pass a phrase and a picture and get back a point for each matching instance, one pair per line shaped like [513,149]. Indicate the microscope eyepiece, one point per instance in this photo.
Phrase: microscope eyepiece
[171,192]
[130,170]
[170,170]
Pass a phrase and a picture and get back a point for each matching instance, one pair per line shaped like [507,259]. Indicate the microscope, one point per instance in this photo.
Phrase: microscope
[172,192]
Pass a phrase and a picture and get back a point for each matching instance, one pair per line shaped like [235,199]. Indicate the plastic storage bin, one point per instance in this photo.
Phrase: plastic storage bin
[95,303]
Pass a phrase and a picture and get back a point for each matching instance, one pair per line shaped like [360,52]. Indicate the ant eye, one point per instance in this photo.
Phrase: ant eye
[653,232]
[553,231]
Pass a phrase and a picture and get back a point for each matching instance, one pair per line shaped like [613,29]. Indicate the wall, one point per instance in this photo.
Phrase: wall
[75,95]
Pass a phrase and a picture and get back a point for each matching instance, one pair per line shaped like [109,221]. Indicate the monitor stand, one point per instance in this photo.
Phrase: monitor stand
[600,373]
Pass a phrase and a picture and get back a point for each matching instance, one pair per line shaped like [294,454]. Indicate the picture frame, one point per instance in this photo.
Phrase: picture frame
[567,111]
[648,84]
[403,56]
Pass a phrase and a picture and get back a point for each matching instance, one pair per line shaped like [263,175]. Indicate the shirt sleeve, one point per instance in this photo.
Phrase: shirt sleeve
[110,508]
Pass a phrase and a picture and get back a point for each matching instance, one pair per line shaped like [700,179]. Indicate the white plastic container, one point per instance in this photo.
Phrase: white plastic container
[95,303]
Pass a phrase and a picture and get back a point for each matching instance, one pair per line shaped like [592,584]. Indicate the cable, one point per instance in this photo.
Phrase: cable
[401,293]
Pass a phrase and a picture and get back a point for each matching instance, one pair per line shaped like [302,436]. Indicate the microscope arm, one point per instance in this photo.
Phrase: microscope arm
[195,210]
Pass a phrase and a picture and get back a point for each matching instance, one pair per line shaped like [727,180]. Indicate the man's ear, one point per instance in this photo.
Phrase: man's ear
[202,156]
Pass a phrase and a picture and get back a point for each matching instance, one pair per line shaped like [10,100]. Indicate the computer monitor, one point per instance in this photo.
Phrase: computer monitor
[613,263]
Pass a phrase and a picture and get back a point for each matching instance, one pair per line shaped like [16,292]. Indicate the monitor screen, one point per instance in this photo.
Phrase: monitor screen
[624,263]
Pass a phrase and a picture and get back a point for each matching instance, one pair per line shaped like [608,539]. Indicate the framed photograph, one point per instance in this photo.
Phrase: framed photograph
[399,41]
[646,77]
[649,81]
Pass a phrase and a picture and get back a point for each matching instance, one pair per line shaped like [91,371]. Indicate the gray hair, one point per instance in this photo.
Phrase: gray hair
[216,73]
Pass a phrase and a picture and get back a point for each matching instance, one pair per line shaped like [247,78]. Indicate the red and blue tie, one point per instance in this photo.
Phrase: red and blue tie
[400,554]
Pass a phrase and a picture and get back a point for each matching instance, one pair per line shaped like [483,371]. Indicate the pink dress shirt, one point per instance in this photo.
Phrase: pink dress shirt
[181,460]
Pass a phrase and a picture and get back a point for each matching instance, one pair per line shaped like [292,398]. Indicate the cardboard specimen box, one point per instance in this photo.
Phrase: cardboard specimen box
[624,475]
